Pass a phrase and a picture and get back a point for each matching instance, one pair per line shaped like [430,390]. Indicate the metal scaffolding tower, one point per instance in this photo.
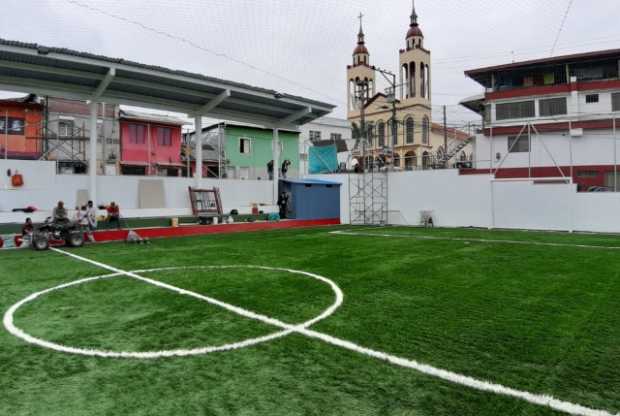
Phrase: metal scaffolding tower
[368,202]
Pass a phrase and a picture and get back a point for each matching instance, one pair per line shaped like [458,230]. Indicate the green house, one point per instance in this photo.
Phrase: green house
[247,149]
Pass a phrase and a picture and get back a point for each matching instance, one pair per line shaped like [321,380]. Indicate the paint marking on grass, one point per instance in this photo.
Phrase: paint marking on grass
[287,329]
[303,329]
[473,240]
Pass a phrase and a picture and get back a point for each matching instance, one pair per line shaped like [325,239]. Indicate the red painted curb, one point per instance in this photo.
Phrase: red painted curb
[194,230]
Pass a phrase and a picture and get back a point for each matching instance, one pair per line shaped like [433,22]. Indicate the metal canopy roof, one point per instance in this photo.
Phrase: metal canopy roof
[76,75]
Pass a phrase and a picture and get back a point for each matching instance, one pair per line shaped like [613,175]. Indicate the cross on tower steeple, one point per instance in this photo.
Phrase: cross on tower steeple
[360,35]
[414,15]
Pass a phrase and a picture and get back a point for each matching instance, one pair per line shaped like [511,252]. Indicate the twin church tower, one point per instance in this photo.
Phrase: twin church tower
[414,143]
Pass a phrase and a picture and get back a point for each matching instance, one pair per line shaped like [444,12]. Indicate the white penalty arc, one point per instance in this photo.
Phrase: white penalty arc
[9,316]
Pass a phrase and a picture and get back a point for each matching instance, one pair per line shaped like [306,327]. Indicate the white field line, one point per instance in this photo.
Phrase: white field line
[449,376]
[473,240]
[287,328]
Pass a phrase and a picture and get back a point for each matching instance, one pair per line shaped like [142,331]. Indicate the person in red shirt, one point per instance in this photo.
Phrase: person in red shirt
[114,214]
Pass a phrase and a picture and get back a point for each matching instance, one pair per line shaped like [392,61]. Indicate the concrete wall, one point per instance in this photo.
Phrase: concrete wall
[43,188]
[456,200]
[479,201]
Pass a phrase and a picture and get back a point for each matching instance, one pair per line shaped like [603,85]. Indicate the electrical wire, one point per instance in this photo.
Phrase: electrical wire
[557,38]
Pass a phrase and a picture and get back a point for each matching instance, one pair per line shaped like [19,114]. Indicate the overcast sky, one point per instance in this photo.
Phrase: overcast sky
[303,46]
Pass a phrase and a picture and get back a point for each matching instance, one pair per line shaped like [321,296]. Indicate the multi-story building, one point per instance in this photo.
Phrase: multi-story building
[150,144]
[245,150]
[20,128]
[553,117]
[57,129]
[412,140]
[66,136]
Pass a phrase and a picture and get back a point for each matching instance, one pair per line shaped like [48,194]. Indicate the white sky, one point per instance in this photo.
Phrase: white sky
[311,41]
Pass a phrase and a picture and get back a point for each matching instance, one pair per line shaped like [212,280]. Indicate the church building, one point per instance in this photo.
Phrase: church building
[413,141]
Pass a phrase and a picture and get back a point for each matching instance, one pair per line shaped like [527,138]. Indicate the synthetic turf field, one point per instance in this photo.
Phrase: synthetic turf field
[540,319]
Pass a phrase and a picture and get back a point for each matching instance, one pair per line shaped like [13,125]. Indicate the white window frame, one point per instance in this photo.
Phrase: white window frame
[249,141]
[316,133]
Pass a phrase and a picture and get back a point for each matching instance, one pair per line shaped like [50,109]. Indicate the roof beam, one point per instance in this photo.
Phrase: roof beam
[50,70]
[103,85]
[296,115]
[204,110]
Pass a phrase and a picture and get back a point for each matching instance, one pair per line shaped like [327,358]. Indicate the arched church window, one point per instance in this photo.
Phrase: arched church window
[381,133]
[425,130]
[410,130]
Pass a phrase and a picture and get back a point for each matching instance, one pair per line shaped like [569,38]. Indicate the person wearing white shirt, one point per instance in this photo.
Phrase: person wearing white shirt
[90,219]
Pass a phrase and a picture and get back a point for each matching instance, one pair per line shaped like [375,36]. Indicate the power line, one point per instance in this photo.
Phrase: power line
[195,45]
[557,38]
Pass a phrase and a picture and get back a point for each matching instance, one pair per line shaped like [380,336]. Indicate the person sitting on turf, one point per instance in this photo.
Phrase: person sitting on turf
[78,217]
[114,214]
[27,228]
[59,214]
[27,232]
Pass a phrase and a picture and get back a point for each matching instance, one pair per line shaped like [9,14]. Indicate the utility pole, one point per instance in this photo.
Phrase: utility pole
[445,138]
[361,87]
[390,77]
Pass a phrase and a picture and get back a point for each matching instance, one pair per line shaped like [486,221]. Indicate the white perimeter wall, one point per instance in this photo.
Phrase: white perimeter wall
[43,188]
[456,201]
[595,147]
[479,201]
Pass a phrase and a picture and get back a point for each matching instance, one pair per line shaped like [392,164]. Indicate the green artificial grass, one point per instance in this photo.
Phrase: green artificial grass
[537,318]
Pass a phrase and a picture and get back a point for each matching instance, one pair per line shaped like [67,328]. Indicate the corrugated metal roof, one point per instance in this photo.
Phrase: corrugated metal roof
[155,118]
[311,182]
[67,73]
[563,59]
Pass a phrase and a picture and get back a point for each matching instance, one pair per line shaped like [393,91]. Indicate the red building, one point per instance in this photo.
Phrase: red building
[150,144]
[21,124]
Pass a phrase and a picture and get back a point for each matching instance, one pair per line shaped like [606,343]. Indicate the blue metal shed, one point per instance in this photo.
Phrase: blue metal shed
[312,199]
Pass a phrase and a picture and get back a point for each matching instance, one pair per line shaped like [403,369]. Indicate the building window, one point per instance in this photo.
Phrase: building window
[518,144]
[587,174]
[137,133]
[591,98]
[381,133]
[615,101]
[335,137]
[396,161]
[426,161]
[65,128]
[521,109]
[411,161]
[164,136]
[315,135]
[133,170]
[409,130]
[245,146]
[552,107]
[425,130]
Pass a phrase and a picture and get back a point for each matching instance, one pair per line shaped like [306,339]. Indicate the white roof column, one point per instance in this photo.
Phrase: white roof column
[198,139]
[276,164]
[92,152]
